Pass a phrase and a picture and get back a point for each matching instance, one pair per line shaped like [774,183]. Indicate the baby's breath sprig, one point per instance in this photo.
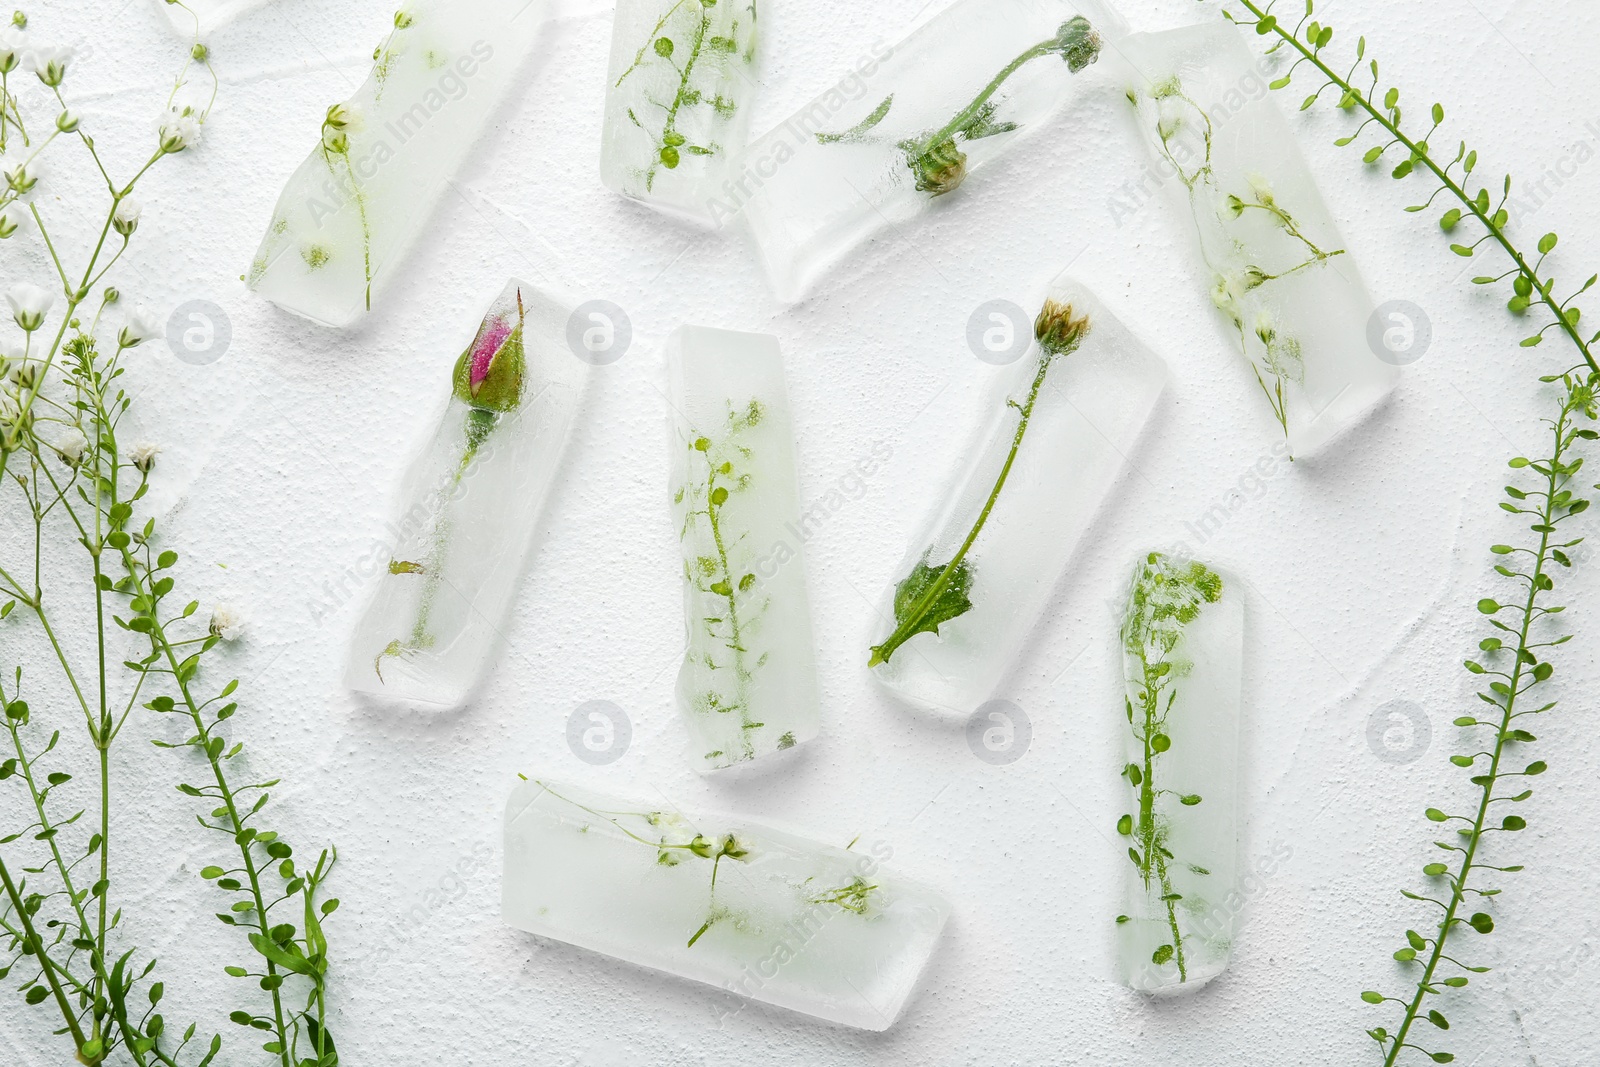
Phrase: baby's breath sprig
[70,482]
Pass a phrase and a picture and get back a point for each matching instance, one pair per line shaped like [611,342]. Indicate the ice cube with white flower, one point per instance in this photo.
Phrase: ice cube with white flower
[906,128]
[1182,638]
[748,685]
[678,98]
[1067,420]
[470,508]
[384,157]
[763,913]
[1288,292]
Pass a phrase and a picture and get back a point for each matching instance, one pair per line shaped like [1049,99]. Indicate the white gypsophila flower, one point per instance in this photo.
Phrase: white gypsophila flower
[71,446]
[29,303]
[49,62]
[68,121]
[1226,292]
[179,128]
[226,623]
[143,456]
[1266,327]
[13,47]
[13,219]
[21,172]
[125,219]
[142,325]
[1170,116]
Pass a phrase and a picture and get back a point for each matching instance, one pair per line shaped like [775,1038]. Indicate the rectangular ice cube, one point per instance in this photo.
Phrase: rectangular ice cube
[677,99]
[982,570]
[384,157]
[756,911]
[1289,294]
[1183,648]
[470,507]
[905,128]
[748,685]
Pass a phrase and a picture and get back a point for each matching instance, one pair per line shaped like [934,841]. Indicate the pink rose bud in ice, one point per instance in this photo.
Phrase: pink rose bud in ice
[488,375]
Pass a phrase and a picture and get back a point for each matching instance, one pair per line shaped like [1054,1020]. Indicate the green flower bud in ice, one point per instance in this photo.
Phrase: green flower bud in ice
[941,169]
[488,376]
[200,53]
[1078,43]
[1058,330]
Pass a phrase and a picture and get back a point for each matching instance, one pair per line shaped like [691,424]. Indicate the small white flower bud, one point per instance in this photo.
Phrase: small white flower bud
[125,219]
[29,303]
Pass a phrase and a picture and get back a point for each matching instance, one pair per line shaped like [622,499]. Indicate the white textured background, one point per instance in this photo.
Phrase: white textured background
[281,460]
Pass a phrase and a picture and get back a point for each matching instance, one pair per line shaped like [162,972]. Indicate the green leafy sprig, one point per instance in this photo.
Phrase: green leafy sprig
[1515,659]
[1166,597]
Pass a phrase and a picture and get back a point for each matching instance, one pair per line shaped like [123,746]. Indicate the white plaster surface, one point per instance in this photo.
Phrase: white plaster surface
[282,460]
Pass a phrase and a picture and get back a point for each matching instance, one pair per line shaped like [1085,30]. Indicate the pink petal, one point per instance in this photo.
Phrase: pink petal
[490,339]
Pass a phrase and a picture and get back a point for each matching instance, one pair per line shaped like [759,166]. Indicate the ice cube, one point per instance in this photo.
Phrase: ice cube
[677,99]
[756,911]
[748,684]
[1183,647]
[906,127]
[469,508]
[981,572]
[1288,292]
[384,157]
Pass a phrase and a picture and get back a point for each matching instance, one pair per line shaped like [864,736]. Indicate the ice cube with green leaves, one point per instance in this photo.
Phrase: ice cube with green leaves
[767,914]
[905,128]
[1287,290]
[678,97]
[748,685]
[980,573]
[447,573]
[384,157]
[1182,639]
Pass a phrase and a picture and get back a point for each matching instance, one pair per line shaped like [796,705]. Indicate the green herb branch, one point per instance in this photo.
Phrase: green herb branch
[931,596]
[1167,596]
[1380,107]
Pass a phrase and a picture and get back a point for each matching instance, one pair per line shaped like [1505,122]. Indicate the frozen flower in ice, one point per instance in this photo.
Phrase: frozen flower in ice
[71,447]
[488,376]
[21,172]
[140,327]
[340,119]
[126,217]
[1226,292]
[1170,112]
[1262,189]
[1078,43]
[941,169]
[143,456]
[49,62]
[13,47]
[1057,330]
[179,128]
[1266,328]
[29,304]
[226,623]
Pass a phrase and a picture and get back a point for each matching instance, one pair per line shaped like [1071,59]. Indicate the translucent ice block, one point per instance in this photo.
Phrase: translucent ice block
[470,508]
[1289,293]
[1183,645]
[748,685]
[384,157]
[904,129]
[756,911]
[980,574]
[677,99]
